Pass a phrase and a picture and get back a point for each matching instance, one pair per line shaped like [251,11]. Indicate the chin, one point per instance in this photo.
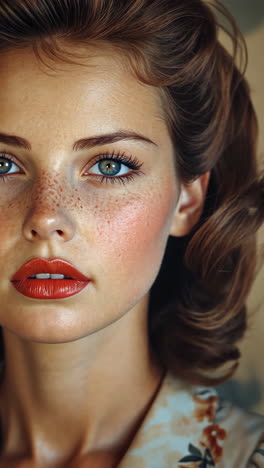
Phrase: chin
[55,324]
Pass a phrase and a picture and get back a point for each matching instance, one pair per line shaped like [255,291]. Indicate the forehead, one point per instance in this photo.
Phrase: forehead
[101,88]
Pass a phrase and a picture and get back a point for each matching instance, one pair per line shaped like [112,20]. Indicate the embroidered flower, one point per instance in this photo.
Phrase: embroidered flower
[208,451]
[211,436]
[205,408]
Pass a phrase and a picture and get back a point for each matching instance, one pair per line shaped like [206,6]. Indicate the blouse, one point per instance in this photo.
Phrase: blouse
[190,426]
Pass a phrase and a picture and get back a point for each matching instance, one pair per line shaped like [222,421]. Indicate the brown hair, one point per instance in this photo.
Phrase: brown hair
[197,305]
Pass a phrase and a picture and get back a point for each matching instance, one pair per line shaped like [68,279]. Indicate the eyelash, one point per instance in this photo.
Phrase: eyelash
[129,161]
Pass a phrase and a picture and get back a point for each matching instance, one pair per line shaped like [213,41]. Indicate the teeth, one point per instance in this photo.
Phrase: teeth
[49,276]
[57,276]
[43,276]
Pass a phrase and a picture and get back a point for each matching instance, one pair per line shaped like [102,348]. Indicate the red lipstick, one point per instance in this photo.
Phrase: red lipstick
[48,287]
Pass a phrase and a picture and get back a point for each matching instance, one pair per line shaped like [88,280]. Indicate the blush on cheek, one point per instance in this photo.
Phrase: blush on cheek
[132,237]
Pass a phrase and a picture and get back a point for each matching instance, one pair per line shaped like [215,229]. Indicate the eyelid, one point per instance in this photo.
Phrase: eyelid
[104,155]
[6,155]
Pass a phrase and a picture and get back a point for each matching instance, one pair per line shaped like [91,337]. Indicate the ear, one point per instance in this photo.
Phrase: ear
[190,206]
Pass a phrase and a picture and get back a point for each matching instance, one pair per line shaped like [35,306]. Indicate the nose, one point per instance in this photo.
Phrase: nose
[45,222]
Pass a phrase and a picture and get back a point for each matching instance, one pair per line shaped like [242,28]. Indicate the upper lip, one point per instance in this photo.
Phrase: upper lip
[41,265]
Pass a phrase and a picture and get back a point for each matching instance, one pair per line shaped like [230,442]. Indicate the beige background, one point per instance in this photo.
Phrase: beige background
[247,386]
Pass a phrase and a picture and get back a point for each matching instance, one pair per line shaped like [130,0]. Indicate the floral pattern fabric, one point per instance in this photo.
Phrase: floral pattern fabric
[191,427]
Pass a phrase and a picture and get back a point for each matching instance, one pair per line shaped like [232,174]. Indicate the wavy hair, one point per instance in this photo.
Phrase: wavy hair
[197,311]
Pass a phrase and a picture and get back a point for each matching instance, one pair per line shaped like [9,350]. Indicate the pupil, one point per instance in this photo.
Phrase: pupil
[4,166]
[109,167]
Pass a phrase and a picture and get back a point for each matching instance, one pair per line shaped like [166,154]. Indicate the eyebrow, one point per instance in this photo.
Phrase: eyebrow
[83,143]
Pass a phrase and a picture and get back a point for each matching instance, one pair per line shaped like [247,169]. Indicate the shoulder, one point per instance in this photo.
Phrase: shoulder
[189,426]
[221,433]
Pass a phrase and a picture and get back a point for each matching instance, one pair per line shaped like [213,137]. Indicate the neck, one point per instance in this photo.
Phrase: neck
[84,386]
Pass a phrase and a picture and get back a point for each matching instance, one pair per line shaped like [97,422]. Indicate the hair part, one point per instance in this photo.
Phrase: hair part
[197,308]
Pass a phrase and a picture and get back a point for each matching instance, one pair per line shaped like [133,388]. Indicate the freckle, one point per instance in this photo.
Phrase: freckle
[78,198]
[81,206]
[57,204]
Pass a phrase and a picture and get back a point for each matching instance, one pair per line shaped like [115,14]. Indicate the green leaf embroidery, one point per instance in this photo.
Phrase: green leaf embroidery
[203,464]
[190,458]
[195,451]
[208,457]
[206,460]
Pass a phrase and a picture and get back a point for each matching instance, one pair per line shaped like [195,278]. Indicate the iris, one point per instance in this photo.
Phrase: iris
[108,167]
[4,166]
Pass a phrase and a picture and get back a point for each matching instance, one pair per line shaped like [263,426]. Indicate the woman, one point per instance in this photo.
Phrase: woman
[130,201]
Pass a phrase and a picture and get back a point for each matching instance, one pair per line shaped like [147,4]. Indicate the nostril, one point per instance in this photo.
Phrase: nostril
[44,228]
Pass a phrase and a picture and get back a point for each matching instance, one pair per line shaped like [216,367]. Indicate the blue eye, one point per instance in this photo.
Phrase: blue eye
[115,168]
[109,167]
[6,164]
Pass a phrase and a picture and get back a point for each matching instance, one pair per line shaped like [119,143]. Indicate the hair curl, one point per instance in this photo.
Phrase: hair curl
[197,310]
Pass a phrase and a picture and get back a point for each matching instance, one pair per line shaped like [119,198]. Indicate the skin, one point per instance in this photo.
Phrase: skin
[78,358]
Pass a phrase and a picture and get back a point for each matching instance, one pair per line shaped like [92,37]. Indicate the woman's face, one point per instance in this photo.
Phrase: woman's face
[110,219]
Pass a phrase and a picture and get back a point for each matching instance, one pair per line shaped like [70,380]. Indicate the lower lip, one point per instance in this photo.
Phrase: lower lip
[49,288]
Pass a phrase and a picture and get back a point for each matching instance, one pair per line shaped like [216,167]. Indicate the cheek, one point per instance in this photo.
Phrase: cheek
[10,214]
[132,232]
